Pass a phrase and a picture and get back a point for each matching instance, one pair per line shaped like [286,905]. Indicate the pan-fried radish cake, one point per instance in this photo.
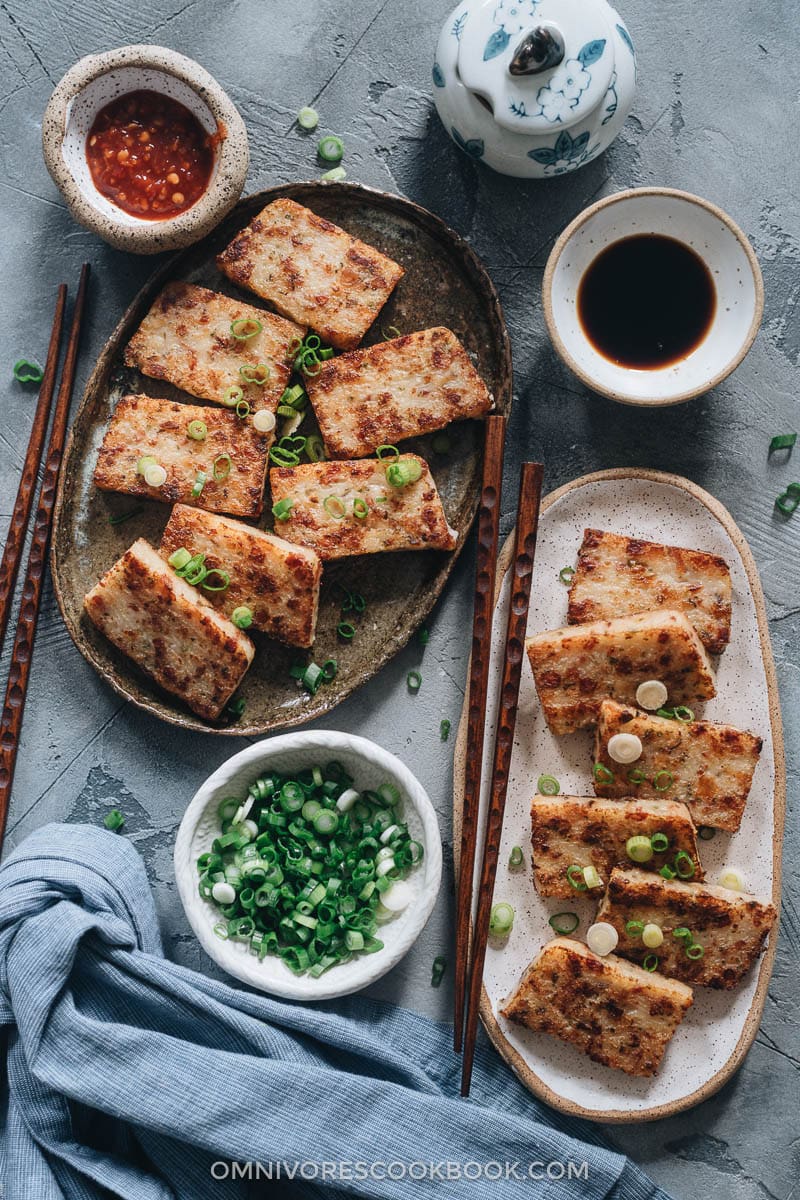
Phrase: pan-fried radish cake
[312,271]
[170,630]
[341,509]
[274,585]
[149,450]
[214,348]
[618,575]
[395,390]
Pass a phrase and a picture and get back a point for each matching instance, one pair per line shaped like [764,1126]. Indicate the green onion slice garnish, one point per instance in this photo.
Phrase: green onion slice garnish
[501,921]
[694,951]
[515,858]
[200,482]
[680,713]
[258,374]
[414,681]
[636,776]
[667,872]
[437,970]
[782,441]
[602,773]
[566,574]
[663,781]
[236,708]
[334,507]
[144,462]
[114,820]
[282,457]
[120,518]
[684,865]
[400,474]
[360,508]
[26,371]
[548,785]
[222,467]
[592,877]
[639,848]
[244,328]
[650,962]
[179,559]
[659,843]
[387,453]
[286,410]
[423,635]
[330,149]
[282,510]
[197,431]
[242,617]
[575,878]
[335,175]
[444,729]
[330,668]
[683,934]
[634,928]
[346,630]
[788,501]
[232,395]
[222,580]
[564,922]
[243,409]
[308,118]
[389,332]
[315,449]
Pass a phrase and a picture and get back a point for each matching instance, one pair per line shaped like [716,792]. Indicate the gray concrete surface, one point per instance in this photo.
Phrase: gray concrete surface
[718,84]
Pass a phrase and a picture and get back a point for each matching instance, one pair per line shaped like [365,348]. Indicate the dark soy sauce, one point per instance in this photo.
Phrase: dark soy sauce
[646,301]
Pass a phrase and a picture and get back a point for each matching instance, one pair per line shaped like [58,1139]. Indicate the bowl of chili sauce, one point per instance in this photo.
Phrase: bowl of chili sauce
[147,149]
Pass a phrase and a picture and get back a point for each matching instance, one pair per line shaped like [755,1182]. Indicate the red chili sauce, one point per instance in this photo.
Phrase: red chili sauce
[149,155]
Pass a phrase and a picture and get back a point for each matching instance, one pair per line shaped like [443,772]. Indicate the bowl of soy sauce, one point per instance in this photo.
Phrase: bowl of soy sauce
[652,296]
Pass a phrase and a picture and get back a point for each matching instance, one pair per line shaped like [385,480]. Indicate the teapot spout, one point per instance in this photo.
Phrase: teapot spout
[540,49]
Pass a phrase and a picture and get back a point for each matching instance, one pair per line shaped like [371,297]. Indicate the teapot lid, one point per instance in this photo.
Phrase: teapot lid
[539,64]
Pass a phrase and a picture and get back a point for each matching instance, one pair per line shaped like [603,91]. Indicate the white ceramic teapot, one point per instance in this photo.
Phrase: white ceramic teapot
[534,88]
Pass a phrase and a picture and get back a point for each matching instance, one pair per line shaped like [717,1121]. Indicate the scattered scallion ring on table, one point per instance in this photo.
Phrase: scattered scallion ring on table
[257,373]
[346,630]
[602,773]
[516,858]
[424,635]
[548,785]
[566,574]
[659,842]
[197,431]
[650,962]
[335,175]
[222,467]
[444,729]
[330,669]
[244,328]
[663,781]
[334,506]
[113,820]
[575,878]
[315,448]
[501,921]
[232,395]
[564,922]
[235,708]
[389,332]
[306,868]
[438,969]
[26,371]
[782,441]
[413,681]
[282,510]
[242,617]
[308,118]
[330,148]
[387,453]
[400,474]
[788,501]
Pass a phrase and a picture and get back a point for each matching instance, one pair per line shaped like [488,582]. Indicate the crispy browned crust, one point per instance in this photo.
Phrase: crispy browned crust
[406,518]
[142,425]
[577,667]
[186,339]
[730,926]
[166,627]
[617,575]
[312,271]
[278,582]
[395,390]
[711,765]
[621,1016]
[567,830]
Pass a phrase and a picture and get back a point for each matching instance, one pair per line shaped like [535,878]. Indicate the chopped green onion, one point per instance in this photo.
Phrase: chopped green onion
[667,872]
[566,574]
[144,462]
[258,374]
[232,395]
[114,820]
[286,410]
[330,149]
[155,475]
[515,858]
[282,457]
[694,951]
[263,421]
[179,559]
[308,118]
[222,466]
[564,922]
[26,371]
[312,677]
[414,681]
[501,921]
[282,510]
[444,729]
[423,635]
[782,441]
[335,175]
[680,713]
[682,933]
[223,577]
[244,328]
[788,501]
[652,935]
[315,448]
[389,332]
[636,776]
[346,631]
[575,878]
[706,833]
[194,572]
[197,431]
[634,928]
[242,617]
[602,773]
[441,444]
[236,708]
[548,785]
[334,507]
[437,970]
[400,474]
[650,962]
[592,878]
[639,848]
[666,781]
[360,508]
[199,483]
[330,669]
[387,453]
[243,409]
[684,865]
[659,843]
[119,518]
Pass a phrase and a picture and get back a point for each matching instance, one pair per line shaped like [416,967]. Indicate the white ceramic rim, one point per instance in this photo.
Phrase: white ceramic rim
[362,971]
[560,346]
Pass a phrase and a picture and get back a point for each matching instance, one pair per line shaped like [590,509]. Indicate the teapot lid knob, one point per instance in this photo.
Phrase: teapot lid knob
[540,49]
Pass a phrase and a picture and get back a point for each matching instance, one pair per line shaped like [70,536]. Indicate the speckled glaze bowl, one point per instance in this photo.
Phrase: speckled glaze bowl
[96,80]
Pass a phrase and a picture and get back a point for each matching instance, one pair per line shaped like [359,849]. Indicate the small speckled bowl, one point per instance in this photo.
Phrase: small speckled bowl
[98,79]
[721,245]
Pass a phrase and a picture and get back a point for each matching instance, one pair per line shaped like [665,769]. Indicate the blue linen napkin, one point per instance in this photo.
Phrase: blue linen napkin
[133,1077]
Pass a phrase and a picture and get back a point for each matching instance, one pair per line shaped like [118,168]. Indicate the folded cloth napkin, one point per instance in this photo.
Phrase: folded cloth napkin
[130,1076]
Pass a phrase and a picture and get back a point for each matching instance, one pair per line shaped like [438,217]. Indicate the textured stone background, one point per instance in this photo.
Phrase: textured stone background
[700,122]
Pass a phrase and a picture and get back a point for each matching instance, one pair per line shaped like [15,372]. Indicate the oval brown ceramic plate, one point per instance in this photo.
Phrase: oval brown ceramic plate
[720,1026]
[444,284]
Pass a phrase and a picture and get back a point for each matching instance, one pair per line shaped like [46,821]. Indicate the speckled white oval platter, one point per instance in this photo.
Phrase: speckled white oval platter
[370,766]
[720,1027]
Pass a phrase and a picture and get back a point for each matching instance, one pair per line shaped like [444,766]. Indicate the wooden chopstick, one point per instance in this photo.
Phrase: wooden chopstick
[483,610]
[18,527]
[521,573]
[22,650]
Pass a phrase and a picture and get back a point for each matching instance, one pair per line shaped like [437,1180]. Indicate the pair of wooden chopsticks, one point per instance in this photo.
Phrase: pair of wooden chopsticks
[16,688]
[471,946]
